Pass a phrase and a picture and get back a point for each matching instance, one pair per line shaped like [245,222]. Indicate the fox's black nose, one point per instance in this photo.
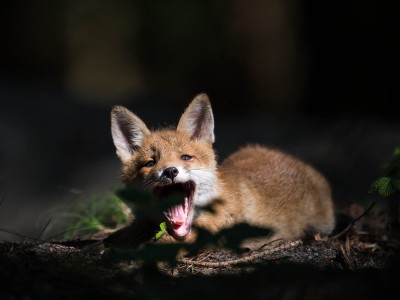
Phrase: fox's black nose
[170,172]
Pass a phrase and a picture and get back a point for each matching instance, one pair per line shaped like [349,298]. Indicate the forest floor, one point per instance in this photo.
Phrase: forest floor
[363,263]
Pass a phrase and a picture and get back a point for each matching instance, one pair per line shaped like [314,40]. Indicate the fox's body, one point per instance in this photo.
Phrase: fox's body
[255,185]
[267,188]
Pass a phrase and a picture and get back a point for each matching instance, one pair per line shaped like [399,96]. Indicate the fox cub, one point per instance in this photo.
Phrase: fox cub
[256,185]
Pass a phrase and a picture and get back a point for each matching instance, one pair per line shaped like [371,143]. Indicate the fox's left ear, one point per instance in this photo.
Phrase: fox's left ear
[198,120]
[127,132]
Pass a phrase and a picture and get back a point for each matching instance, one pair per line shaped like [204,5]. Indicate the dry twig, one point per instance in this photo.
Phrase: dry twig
[241,260]
[336,236]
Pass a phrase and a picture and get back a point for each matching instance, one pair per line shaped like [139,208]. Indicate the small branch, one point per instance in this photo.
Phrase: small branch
[346,257]
[44,228]
[240,260]
[336,236]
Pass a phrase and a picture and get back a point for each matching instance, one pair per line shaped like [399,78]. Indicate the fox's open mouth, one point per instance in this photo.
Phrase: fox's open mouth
[178,216]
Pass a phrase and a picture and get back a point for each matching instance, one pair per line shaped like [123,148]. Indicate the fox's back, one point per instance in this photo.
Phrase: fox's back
[273,172]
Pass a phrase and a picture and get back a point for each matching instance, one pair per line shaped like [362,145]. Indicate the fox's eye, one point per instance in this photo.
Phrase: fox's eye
[186,157]
[150,163]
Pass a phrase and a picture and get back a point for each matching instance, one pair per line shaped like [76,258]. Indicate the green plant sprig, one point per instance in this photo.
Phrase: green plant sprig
[389,184]
[162,231]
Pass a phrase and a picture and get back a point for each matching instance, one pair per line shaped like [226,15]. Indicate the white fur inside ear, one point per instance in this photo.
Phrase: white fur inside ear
[127,132]
[123,143]
[198,120]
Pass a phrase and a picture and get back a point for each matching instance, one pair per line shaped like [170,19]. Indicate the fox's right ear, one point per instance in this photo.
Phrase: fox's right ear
[198,120]
[127,131]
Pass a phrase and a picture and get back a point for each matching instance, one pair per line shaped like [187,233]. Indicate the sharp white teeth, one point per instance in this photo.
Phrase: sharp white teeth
[186,204]
[168,215]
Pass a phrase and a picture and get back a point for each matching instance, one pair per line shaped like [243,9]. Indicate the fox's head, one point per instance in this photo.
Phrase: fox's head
[170,162]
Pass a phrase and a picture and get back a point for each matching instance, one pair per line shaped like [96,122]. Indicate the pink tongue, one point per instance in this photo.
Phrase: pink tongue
[179,221]
[178,214]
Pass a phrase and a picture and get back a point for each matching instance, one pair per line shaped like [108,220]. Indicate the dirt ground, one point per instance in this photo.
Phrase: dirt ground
[362,263]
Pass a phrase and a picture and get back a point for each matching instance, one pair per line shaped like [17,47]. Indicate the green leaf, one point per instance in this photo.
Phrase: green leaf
[160,234]
[383,186]
[163,226]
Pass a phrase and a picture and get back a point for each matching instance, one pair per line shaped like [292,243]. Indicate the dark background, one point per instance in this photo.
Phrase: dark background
[317,79]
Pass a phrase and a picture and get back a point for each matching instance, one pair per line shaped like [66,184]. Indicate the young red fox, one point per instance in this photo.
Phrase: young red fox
[256,185]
